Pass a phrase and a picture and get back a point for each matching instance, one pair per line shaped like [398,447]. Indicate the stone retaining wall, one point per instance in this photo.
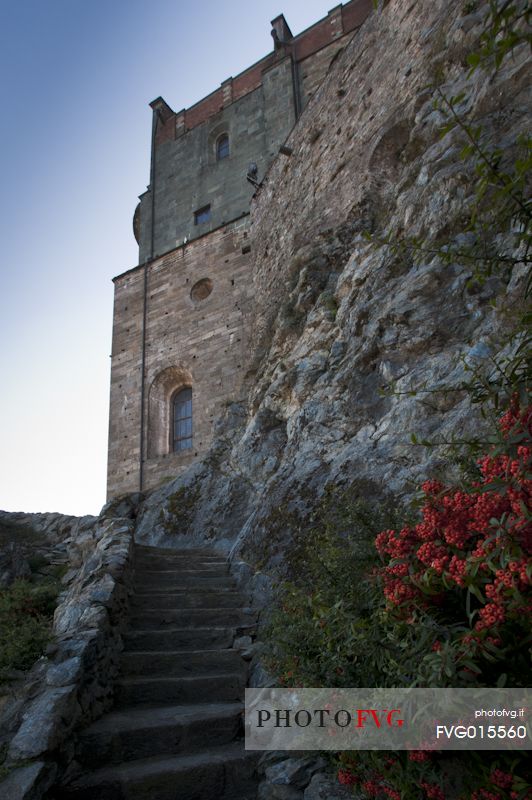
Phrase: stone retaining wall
[73,684]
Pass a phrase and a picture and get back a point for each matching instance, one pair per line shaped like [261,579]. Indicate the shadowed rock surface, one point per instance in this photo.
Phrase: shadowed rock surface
[175,732]
[338,317]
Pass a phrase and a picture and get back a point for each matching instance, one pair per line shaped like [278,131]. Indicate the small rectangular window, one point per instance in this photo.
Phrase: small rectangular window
[202,215]
[182,420]
[222,147]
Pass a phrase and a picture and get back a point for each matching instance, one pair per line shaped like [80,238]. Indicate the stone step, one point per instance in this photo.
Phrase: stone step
[148,573]
[149,588]
[181,663]
[186,599]
[217,773]
[145,573]
[179,639]
[176,560]
[182,580]
[167,730]
[179,562]
[156,618]
[220,687]
[183,552]
[215,570]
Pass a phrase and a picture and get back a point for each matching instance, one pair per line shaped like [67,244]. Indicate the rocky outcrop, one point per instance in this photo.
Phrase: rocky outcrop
[339,319]
[346,328]
[29,536]
[176,730]
[288,775]
[73,683]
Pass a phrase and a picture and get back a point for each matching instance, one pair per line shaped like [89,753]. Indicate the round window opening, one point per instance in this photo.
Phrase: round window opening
[201,290]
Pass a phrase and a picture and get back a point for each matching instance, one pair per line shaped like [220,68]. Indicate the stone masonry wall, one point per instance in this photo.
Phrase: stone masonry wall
[188,177]
[189,342]
[73,684]
[313,70]
[124,407]
[336,317]
[257,110]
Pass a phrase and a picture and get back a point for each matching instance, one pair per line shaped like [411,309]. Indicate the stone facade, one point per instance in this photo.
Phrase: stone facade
[191,340]
[337,318]
[181,316]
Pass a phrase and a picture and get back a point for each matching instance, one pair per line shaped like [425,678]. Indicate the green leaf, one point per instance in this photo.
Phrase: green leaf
[476,592]
[471,665]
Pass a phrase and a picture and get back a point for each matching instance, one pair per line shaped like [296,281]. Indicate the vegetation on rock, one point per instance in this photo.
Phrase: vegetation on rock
[26,613]
[449,605]
[180,508]
[450,602]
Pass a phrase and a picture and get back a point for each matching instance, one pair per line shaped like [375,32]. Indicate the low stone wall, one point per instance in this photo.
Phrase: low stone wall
[23,536]
[73,684]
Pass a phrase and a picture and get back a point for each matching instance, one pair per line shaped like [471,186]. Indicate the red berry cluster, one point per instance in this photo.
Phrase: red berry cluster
[432,791]
[347,778]
[478,537]
[504,780]
[419,755]
[485,794]
[372,787]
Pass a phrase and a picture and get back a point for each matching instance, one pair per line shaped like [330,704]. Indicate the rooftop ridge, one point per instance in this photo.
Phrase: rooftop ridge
[340,21]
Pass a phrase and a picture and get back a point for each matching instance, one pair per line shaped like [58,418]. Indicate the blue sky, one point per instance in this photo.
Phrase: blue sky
[77,77]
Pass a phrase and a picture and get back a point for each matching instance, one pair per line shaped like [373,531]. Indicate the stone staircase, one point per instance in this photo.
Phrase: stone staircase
[175,731]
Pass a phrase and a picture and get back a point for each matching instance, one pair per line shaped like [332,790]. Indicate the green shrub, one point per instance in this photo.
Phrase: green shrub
[327,627]
[58,571]
[180,509]
[291,317]
[37,562]
[448,605]
[330,302]
[26,611]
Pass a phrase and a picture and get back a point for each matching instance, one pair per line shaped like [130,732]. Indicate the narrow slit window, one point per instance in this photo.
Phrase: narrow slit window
[222,147]
[182,420]
[202,215]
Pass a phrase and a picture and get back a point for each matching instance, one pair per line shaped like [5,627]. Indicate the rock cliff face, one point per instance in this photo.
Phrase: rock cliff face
[339,317]
[72,682]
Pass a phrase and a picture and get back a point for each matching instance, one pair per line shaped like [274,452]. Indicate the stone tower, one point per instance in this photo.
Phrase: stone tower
[180,317]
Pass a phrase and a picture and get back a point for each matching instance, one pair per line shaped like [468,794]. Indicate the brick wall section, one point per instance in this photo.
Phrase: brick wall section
[252,78]
[343,19]
[205,339]
[312,40]
[354,14]
[201,111]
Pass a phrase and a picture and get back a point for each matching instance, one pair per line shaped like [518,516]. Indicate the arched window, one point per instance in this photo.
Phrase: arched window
[222,147]
[182,420]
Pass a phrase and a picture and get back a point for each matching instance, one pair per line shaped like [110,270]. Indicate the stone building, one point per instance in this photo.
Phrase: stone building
[180,317]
